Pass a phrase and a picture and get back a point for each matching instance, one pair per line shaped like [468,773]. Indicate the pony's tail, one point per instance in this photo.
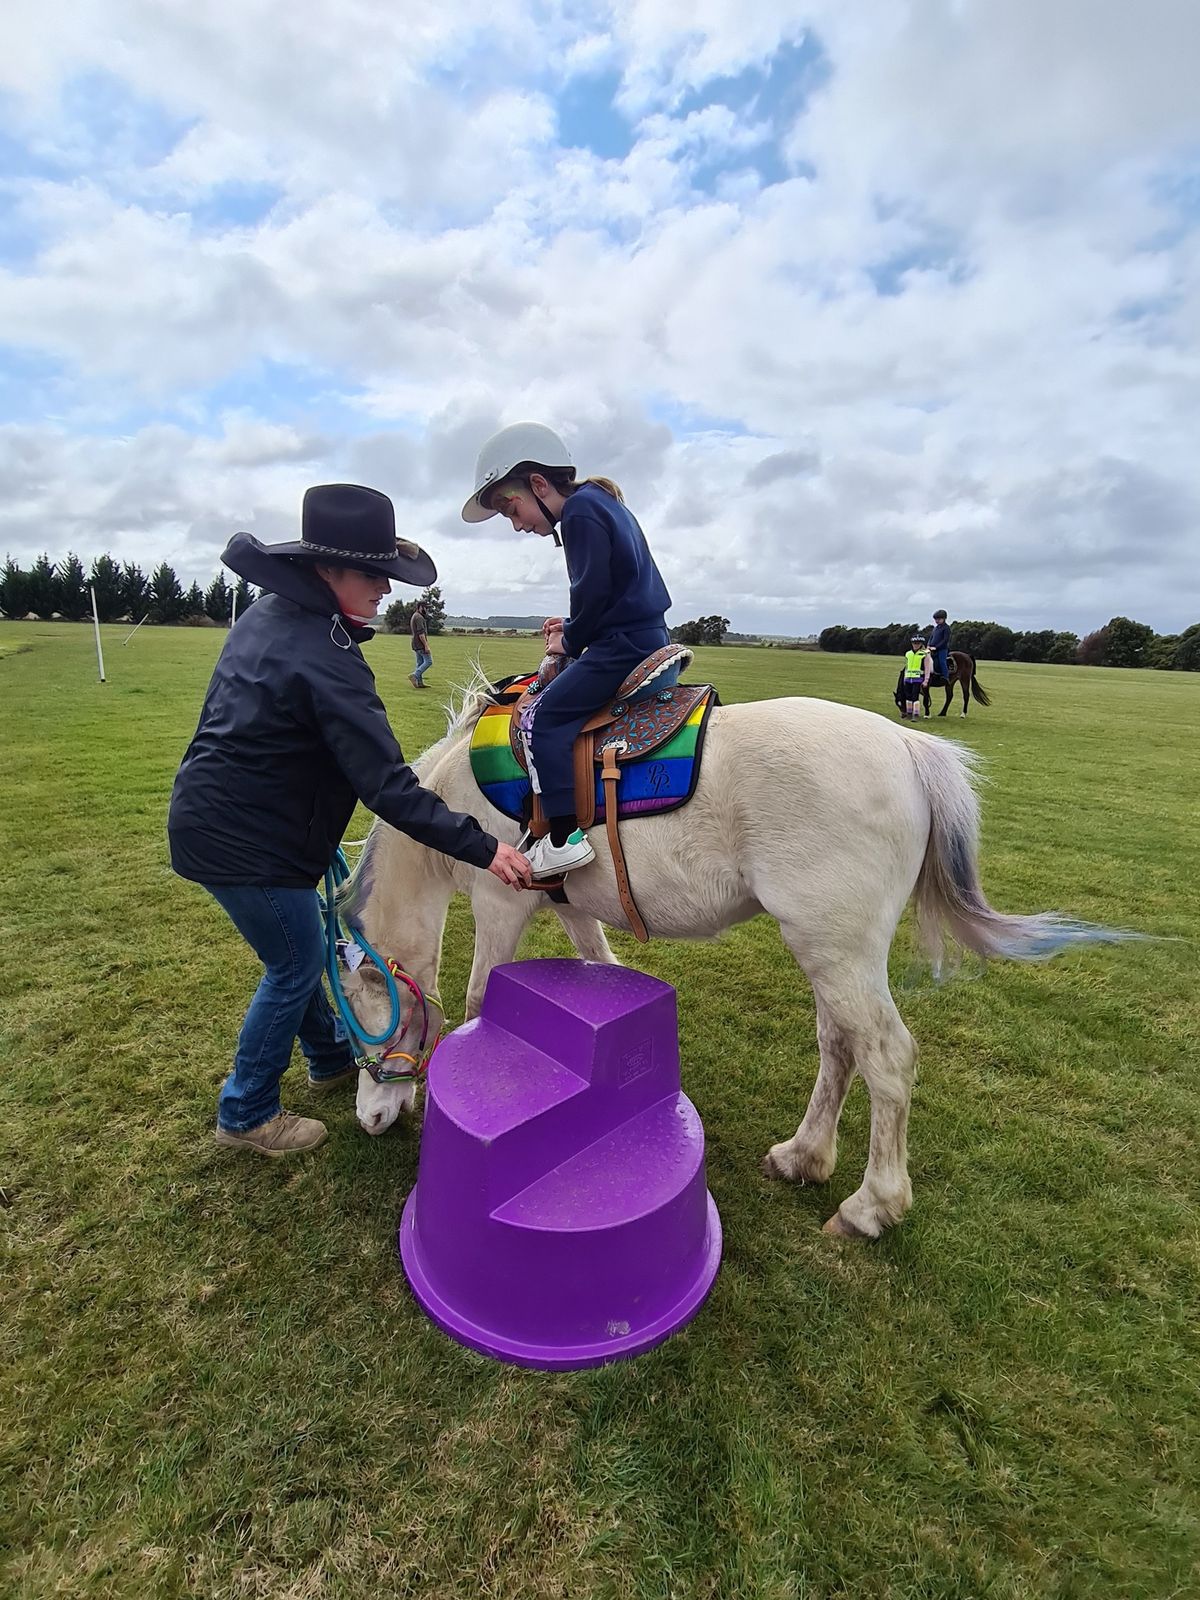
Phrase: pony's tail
[949,895]
[978,692]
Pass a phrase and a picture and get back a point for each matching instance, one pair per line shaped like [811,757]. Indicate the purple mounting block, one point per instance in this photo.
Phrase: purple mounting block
[560,1216]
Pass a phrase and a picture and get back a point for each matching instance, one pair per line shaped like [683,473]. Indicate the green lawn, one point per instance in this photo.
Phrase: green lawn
[214,1380]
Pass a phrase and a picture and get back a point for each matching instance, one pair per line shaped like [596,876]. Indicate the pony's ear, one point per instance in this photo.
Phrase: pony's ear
[352,983]
[361,981]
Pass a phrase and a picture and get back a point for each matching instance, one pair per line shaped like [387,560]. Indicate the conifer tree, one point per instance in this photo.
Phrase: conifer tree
[43,587]
[74,602]
[106,581]
[135,592]
[167,600]
[216,601]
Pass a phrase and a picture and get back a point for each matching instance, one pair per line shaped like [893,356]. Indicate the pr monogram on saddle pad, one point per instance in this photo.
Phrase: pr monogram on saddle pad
[658,774]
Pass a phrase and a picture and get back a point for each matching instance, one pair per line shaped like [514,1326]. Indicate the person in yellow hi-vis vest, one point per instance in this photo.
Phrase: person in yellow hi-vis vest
[914,676]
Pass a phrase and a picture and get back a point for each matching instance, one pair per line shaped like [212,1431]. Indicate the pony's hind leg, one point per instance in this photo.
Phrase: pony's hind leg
[859,1029]
[810,1155]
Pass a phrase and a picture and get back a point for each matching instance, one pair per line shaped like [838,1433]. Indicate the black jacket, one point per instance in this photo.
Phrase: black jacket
[292,733]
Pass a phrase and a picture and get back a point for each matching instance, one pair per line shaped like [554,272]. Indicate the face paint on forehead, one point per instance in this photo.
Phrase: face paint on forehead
[503,495]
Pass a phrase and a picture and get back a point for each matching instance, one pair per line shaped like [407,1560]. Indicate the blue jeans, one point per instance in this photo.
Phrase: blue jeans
[566,703]
[424,662]
[283,927]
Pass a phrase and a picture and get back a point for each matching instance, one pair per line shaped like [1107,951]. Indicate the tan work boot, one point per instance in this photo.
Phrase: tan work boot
[324,1085]
[284,1135]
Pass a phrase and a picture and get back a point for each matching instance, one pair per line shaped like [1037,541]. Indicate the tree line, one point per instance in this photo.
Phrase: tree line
[398,616]
[123,592]
[1121,642]
[703,630]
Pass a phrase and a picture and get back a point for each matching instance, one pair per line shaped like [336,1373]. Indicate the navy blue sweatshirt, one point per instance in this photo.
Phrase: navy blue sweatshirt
[615,586]
[940,637]
[292,734]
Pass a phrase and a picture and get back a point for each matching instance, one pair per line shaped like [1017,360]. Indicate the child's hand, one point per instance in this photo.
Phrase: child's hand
[554,644]
[552,625]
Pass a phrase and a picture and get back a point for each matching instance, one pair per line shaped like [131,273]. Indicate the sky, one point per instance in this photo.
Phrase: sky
[869,309]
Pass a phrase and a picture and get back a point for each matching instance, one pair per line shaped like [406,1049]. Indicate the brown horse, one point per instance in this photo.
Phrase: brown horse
[962,671]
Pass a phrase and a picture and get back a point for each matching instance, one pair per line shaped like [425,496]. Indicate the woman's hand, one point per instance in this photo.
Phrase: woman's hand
[510,866]
[552,625]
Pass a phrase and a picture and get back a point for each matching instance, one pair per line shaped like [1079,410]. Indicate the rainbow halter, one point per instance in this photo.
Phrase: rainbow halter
[367,1052]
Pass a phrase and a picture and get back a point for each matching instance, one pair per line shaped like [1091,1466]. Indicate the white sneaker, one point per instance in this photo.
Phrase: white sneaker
[548,860]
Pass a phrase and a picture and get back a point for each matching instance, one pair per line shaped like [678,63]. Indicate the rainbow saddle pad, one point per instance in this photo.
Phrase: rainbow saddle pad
[660,779]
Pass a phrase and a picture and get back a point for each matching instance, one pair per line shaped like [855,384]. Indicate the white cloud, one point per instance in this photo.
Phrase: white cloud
[954,356]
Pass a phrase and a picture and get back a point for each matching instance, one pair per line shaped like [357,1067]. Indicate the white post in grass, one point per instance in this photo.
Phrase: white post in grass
[129,635]
[96,623]
[233,607]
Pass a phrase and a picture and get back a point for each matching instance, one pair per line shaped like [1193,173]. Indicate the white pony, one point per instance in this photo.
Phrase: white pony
[826,817]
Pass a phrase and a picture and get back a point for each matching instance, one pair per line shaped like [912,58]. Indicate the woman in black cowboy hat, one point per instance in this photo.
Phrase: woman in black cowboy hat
[292,735]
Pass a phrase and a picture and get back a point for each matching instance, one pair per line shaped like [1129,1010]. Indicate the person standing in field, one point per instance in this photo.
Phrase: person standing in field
[291,736]
[914,677]
[939,648]
[419,627]
[618,608]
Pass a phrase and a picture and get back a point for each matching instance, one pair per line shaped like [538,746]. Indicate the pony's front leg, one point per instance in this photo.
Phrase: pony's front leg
[886,1057]
[500,918]
[586,934]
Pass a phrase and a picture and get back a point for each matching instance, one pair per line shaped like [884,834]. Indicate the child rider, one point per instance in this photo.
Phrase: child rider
[914,676]
[617,611]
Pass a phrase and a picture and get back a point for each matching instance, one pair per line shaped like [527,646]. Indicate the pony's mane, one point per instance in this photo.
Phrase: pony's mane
[468,702]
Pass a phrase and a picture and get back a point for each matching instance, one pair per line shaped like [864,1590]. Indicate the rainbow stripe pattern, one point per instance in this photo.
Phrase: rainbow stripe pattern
[660,781]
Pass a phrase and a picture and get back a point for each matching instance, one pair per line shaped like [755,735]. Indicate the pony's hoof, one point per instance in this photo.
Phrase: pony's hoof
[841,1229]
[771,1167]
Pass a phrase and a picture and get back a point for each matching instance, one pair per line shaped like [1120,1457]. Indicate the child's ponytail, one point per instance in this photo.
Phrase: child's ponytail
[566,484]
[607,485]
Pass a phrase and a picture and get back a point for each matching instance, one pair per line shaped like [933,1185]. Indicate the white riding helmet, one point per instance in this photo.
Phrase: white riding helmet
[522,441]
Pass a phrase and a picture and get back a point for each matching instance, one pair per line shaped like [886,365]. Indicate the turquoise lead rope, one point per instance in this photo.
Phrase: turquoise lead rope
[366,1045]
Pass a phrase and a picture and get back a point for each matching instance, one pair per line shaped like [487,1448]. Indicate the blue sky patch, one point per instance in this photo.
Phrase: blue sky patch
[588,118]
[232,205]
[103,125]
[685,420]
[311,399]
[776,92]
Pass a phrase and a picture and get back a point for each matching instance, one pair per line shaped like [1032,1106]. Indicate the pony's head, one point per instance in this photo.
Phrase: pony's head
[409,1039]
[385,895]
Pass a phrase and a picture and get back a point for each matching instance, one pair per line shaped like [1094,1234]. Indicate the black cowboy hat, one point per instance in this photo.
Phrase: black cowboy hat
[345,525]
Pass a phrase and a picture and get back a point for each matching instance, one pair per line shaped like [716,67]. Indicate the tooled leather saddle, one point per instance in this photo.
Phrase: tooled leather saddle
[648,710]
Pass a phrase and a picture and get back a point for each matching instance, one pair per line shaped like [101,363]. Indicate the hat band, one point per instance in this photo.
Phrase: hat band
[401,547]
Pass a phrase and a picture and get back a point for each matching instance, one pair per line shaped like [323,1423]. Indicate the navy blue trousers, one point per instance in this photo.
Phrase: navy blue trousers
[566,704]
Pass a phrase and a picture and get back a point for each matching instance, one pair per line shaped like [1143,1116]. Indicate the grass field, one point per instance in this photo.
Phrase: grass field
[214,1381]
